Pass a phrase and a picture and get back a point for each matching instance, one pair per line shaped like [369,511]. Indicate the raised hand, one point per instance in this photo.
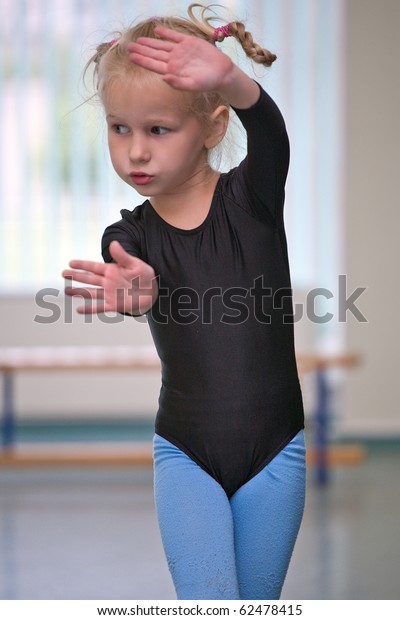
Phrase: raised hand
[128,285]
[185,62]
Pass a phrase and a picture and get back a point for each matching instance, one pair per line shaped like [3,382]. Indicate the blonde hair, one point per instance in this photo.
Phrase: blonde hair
[111,59]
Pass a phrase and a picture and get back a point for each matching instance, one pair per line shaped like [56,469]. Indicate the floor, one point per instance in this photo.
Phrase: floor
[92,534]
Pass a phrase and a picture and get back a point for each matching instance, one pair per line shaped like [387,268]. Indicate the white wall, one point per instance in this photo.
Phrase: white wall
[372,211]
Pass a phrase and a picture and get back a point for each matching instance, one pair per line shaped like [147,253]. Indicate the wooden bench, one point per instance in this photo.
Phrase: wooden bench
[47,359]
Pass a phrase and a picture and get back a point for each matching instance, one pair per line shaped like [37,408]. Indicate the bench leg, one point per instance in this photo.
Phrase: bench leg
[322,429]
[8,422]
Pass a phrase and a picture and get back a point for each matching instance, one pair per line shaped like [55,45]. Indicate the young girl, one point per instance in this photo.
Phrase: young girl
[205,257]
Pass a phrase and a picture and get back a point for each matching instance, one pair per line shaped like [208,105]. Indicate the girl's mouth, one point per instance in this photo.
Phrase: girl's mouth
[140,178]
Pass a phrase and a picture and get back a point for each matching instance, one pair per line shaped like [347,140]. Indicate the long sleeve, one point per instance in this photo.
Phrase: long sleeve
[265,168]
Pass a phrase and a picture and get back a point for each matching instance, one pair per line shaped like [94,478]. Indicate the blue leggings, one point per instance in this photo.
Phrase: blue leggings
[220,548]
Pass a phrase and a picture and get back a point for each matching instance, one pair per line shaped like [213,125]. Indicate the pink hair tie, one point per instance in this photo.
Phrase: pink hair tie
[224,30]
[113,42]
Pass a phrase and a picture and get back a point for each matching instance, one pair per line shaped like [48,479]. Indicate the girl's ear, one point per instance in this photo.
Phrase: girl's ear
[218,125]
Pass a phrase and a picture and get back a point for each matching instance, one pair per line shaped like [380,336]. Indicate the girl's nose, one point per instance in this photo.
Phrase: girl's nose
[139,151]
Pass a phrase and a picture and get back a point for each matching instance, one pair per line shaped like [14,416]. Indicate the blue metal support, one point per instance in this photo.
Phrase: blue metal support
[322,429]
[8,422]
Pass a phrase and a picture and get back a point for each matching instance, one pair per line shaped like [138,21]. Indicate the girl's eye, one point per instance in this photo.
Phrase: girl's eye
[159,131]
[120,129]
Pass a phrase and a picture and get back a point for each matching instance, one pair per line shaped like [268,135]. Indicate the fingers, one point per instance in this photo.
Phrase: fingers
[147,57]
[149,63]
[170,35]
[151,54]
[92,272]
[154,54]
[87,265]
[121,256]
[166,42]
[85,293]
[91,309]
[154,48]
[85,277]
[95,295]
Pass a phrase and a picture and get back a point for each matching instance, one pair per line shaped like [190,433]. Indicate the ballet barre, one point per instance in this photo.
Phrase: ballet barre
[81,358]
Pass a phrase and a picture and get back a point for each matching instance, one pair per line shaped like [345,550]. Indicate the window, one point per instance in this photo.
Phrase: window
[57,188]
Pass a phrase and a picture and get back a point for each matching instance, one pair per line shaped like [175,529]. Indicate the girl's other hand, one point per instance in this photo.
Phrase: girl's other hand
[127,285]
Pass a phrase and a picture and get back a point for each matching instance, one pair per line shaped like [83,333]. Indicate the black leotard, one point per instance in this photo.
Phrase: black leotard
[230,395]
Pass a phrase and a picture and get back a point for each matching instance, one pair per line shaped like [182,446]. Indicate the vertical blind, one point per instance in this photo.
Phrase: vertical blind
[57,188]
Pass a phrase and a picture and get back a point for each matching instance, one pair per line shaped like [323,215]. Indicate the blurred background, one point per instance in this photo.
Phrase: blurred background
[68,531]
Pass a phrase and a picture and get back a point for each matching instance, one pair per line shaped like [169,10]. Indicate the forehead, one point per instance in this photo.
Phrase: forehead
[147,97]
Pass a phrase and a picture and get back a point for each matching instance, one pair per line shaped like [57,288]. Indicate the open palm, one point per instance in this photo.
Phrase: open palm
[127,285]
[183,61]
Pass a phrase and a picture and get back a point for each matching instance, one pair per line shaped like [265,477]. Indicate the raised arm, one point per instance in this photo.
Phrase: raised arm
[193,64]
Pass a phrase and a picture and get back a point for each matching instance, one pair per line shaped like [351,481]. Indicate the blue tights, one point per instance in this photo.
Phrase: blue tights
[220,548]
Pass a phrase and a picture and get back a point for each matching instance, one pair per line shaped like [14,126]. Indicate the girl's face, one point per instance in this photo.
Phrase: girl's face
[156,144]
